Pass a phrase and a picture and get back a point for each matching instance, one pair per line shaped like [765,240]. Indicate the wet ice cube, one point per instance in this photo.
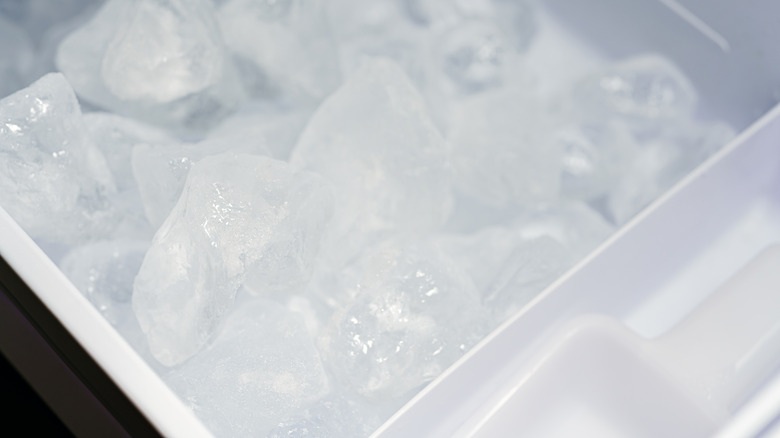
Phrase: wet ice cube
[389,164]
[239,217]
[160,169]
[414,315]
[595,156]
[502,150]
[640,89]
[116,136]
[161,61]
[261,367]
[104,273]
[288,42]
[54,180]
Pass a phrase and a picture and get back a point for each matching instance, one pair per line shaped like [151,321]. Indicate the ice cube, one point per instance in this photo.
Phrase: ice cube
[595,156]
[261,367]
[389,164]
[288,42]
[161,61]
[116,136]
[641,89]
[104,272]
[239,217]
[502,149]
[415,313]
[160,169]
[49,167]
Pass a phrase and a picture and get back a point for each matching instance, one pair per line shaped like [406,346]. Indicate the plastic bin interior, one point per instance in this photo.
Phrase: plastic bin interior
[647,278]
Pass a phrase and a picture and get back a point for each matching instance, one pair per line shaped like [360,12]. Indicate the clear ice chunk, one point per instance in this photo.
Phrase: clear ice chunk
[503,153]
[415,313]
[288,42]
[49,167]
[261,367]
[160,169]
[116,136]
[374,140]
[240,217]
[158,60]
[640,89]
[104,273]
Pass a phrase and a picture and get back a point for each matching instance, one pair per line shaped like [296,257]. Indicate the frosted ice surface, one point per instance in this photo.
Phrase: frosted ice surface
[49,168]
[640,89]
[502,150]
[261,367]
[288,41]
[16,57]
[278,131]
[337,416]
[664,158]
[239,217]
[414,315]
[104,273]
[116,136]
[160,169]
[159,60]
[595,156]
[389,164]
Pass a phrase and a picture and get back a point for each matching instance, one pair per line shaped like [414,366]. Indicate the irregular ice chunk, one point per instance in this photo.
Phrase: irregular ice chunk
[288,41]
[158,60]
[640,89]
[104,273]
[116,136]
[414,315]
[16,57]
[261,367]
[502,149]
[374,140]
[278,131]
[664,159]
[595,156]
[53,180]
[239,217]
[160,169]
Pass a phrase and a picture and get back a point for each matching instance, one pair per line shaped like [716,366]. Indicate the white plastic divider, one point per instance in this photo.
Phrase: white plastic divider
[621,279]
[108,349]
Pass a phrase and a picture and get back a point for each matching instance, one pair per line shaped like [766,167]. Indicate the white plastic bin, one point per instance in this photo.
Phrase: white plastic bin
[647,278]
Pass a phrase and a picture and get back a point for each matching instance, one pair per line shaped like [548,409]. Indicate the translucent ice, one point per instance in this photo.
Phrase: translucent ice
[160,169]
[338,416]
[240,217]
[104,273]
[49,168]
[277,130]
[502,149]
[159,60]
[261,367]
[639,89]
[116,136]
[288,42]
[389,164]
[414,315]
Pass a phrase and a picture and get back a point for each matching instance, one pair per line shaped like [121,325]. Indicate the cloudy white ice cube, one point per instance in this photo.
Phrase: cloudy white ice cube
[49,167]
[240,217]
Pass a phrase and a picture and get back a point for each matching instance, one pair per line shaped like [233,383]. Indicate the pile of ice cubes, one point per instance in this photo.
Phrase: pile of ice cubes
[300,212]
